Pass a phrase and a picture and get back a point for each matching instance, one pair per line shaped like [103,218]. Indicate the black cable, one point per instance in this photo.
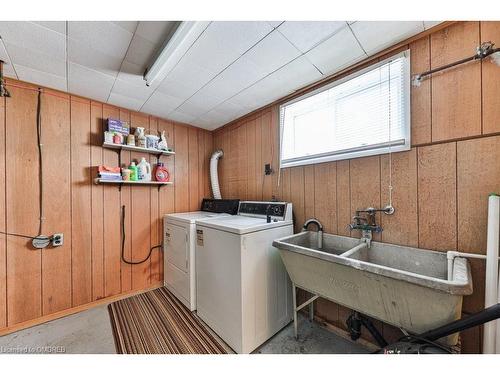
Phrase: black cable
[40,176]
[49,238]
[40,159]
[123,243]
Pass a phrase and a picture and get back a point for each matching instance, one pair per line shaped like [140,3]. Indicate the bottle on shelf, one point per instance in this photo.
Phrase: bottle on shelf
[144,170]
[133,171]
[161,173]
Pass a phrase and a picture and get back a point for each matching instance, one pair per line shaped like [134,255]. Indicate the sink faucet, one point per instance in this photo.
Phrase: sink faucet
[365,220]
[320,230]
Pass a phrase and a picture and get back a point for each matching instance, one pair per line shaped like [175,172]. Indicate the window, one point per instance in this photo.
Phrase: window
[366,113]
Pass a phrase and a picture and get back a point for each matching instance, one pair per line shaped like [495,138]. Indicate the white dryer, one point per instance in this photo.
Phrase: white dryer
[179,233]
[243,290]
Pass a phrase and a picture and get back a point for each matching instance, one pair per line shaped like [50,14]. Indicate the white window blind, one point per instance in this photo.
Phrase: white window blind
[366,113]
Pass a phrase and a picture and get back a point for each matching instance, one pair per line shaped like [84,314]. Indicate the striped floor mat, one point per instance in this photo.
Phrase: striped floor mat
[156,322]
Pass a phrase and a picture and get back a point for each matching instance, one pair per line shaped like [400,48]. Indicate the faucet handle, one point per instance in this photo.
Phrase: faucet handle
[350,227]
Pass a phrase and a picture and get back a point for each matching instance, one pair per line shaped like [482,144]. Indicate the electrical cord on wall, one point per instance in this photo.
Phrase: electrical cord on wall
[123,243]
[42,241]
[40,159]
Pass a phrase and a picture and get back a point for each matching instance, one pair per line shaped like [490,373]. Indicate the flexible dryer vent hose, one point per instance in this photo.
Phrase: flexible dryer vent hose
[214,176]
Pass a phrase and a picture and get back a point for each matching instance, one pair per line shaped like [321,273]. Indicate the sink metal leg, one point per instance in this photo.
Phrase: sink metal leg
[294,296]
[309,302]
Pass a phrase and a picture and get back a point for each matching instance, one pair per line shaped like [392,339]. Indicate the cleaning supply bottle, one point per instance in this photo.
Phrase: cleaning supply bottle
[144,170]
[133,171]
[161,173]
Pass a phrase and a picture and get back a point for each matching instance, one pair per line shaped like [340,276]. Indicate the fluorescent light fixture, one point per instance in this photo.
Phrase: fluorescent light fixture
[182,39]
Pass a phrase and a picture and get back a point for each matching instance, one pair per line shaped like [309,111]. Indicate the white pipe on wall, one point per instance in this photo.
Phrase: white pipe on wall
[214,176]
[491,288]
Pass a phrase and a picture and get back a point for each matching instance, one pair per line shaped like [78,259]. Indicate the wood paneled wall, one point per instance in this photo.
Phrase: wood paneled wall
[88,267]
[440,186]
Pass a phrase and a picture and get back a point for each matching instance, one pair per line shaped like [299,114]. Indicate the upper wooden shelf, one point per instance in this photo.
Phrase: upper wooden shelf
[128,182]
[137,149]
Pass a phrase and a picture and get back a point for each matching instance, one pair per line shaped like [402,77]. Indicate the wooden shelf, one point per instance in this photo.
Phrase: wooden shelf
[116,146]
[121,182]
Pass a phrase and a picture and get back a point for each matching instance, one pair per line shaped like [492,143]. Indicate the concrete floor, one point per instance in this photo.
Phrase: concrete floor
[313,339]
[87,332]
[90,332]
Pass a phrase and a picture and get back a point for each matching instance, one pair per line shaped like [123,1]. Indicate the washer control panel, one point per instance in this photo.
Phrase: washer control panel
[220,206]
[277,210]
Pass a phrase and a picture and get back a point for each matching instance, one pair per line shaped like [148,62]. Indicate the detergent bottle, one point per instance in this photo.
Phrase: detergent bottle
[133,171]
[144,170]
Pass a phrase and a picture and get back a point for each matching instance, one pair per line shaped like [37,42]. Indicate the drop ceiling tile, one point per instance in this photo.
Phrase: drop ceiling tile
[41,78]
[140,52]
[206,124]
[429,24]
[130,26]
[294,76]
[36,60]
[224,41]
[139,92]
[193,109]
[207,98]
[289,78]
[230,108]
[236,77]
[275,23]
[83,54]
[125,101]
[241,34]
[89,83]
[272,53]
[337,52]
[374,36]
[306,34]
[185,79]
[215,116]
[34,37]
[102,36]
[8,69]
[156,31]
[181,117]
[57,26]
[178,89]
[191,74]
[161,104]
[187,71]
[131,73]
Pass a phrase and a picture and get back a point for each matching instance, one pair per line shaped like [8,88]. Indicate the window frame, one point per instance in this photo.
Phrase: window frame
[361,151]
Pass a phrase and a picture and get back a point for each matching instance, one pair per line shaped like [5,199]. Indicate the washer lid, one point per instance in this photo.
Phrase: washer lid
[192,217]
[240,224]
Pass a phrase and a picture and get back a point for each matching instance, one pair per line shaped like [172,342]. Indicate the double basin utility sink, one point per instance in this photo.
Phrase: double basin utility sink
[403,286]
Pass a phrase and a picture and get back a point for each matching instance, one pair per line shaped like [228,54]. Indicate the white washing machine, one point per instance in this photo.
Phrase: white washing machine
[243,290]
[179,233]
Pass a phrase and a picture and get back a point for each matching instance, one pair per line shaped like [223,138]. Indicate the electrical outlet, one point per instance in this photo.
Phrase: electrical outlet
[267,169]
[57,239]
